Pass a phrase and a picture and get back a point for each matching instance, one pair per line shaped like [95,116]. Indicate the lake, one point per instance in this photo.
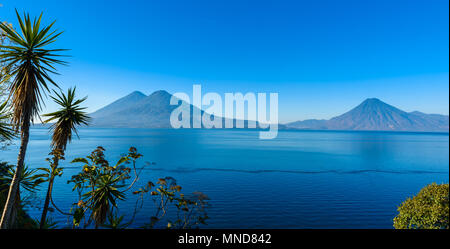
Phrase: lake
[301,179]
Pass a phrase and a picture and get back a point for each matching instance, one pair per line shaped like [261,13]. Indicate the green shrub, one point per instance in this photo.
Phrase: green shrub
[30,183]
[427,210]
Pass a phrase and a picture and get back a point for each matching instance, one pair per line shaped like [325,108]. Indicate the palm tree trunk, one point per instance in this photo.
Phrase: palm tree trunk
[48,196]
[47,200]
[15,209]
[10,203]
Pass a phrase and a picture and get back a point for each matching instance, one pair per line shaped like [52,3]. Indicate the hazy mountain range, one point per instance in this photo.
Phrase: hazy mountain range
[138,110]
[374,114]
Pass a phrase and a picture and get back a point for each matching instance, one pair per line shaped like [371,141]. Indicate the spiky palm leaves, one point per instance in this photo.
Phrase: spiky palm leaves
[104,197]
[30,64]
[68,117]
[6,133]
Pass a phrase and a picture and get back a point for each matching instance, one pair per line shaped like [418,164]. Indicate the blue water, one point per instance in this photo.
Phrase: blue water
[301,179]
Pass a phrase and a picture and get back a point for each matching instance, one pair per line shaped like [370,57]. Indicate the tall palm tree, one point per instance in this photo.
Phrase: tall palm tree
[68,117]
[30,63]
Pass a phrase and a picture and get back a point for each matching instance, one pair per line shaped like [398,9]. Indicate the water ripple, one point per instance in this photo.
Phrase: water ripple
[195,170]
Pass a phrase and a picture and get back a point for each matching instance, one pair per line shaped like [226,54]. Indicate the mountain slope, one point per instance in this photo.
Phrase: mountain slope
[318,124]
[374,114]
[137,111]
[441,122]
[119,105]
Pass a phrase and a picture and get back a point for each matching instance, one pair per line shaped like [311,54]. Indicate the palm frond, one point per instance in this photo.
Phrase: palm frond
[6,132]
[31,65]
[29,180]
[69,116]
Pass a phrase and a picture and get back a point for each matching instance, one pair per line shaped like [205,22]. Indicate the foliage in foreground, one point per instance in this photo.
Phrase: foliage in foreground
[30,182]
[69,116]
[26,64]
[6,132]
[101,186]
[29,63]
[429,209]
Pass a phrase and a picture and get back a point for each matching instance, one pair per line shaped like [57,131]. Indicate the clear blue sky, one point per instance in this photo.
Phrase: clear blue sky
[322,57]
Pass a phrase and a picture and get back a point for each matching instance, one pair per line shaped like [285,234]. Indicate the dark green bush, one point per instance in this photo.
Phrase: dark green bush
[427,210]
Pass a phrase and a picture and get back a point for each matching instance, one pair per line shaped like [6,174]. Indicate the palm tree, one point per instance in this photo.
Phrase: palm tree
[68,117]
[30,65]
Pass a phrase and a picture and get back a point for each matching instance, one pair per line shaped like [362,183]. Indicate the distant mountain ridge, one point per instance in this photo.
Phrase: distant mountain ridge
[120,104]
[137,110]
[374,114]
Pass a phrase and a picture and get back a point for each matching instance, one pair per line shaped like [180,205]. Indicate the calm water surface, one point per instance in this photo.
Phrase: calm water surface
[301,179]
